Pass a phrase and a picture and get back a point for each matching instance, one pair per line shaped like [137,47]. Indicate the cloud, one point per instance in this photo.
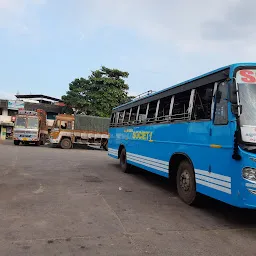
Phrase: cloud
[237,23]
[201,26]
[19,16]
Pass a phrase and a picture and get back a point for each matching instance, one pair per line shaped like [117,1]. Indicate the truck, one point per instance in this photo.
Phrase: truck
[30,127]
[68,130]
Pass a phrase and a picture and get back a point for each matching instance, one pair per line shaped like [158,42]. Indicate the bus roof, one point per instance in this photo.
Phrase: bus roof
[230,68]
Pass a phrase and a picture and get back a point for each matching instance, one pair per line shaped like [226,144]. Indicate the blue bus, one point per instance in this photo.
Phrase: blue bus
[201,133]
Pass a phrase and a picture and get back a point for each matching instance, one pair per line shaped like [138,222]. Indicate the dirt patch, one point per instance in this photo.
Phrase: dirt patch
[90,178]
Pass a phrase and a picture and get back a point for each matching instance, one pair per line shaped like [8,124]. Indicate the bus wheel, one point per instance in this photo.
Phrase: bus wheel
[123,162]
[66,143]
[186,184]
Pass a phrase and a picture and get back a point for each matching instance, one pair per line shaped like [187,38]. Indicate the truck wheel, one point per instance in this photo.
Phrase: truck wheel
[186,184]
[16,142]
[43,139]
[105,145]
[66,143]
[126,168]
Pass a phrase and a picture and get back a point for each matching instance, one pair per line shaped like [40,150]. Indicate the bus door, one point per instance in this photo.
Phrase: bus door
[221,140]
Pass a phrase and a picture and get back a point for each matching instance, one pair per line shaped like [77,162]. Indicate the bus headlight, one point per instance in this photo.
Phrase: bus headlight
[249,173]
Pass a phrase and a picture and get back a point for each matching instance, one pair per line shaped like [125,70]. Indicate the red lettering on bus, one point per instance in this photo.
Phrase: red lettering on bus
[248,76]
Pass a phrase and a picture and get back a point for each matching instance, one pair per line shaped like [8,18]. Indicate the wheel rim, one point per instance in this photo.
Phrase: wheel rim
[66,143]
[185,181]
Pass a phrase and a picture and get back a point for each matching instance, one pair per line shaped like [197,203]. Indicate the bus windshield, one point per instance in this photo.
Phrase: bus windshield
[246,80]
[32,123]
[20,122]
[247,93]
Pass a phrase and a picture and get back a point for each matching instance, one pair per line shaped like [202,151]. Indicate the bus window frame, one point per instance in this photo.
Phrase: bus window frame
[188,112]
[137,115]
[171,107]
[170,118]
[145,120]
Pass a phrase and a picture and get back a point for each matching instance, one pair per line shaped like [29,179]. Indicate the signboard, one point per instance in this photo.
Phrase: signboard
[27,112]
[15,104]
[246,76]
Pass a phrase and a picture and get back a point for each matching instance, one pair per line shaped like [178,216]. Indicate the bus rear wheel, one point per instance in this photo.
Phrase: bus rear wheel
[186,184]
[123,162]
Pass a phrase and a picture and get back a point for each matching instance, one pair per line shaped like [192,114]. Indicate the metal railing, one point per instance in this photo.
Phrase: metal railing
[144,94]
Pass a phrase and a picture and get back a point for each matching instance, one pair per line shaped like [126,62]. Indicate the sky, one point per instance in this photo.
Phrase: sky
[45,44]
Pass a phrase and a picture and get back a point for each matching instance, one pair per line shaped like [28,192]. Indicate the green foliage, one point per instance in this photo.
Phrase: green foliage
[67,110]
[97,95]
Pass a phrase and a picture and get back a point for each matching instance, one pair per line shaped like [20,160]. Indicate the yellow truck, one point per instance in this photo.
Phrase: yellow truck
[68,130]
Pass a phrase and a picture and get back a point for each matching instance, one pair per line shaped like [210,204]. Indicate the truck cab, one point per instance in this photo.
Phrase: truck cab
[30,127]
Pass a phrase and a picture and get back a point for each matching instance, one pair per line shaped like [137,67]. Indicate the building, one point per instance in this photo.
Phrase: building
[52,106]
[6,119]
[9,109]
[39,98]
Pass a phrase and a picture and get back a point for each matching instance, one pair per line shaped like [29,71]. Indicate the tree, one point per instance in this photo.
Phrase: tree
[97,95]
[67,110]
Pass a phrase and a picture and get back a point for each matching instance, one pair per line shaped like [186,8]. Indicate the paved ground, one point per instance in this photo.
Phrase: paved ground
[78,202]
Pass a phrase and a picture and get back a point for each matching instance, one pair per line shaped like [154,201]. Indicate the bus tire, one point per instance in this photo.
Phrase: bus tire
[16,142]
[66,143]
[123,162]
[186,184]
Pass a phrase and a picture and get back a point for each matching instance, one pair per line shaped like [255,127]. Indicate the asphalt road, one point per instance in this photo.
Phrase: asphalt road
[78,202]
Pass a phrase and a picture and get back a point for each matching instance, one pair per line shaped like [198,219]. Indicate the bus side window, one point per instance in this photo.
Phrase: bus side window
[126,116]
[221,105]
[143,113]
[152,111]
[121,117]
[202,103]
[133,115]
[164,109]
[181,106]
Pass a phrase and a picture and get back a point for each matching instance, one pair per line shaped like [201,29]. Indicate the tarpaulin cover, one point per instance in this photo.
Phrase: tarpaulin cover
[91,123]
